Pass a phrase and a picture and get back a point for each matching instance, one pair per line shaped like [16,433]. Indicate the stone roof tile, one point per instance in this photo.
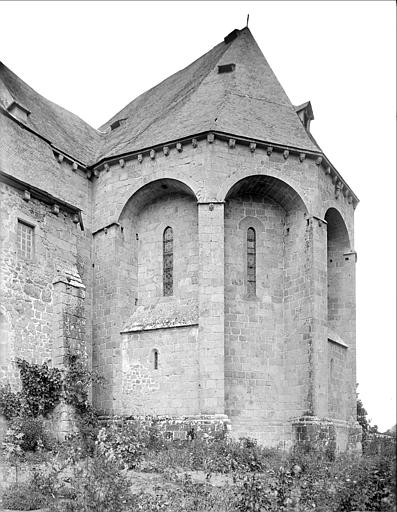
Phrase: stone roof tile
[248,101]
[63,129]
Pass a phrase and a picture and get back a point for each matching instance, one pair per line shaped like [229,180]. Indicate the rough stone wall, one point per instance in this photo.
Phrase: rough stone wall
[27,290]
[172,388]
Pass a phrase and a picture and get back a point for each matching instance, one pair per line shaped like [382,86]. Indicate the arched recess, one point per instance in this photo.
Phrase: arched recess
[158,239]
[149,211]
[339,274]
[341,316]
[262,329]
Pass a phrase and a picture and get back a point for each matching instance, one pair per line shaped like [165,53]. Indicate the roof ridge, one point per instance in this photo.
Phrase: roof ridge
[176,101]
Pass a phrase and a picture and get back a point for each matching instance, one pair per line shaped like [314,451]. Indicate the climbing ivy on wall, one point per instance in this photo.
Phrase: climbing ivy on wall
[41,387]
[44,387]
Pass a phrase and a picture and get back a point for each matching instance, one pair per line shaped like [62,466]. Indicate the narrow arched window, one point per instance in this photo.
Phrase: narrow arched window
[155,359]
[251,262]
[168,262]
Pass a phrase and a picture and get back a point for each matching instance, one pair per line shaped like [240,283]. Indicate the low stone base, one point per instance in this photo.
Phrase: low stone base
[180,427]
[62,421]
[325,435]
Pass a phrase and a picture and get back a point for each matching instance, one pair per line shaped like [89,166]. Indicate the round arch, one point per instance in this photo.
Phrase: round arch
[266,186]
[151,191]
[337,229]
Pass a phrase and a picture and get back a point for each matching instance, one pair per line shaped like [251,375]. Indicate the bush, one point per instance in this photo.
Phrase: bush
[94,484]
[41,387]
[131,439]
[29,433]
[188,497]
[10,402]
[213,454]
[22,496]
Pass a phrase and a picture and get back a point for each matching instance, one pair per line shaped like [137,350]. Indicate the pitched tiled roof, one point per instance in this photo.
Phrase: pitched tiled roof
[63,129]
[28,157]
[248,101]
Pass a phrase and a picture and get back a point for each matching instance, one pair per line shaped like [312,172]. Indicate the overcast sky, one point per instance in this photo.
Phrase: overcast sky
[95,57]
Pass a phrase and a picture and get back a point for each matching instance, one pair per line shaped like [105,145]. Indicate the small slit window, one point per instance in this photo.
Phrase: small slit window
[168,262]
[251,262]
[155,359]
[25,240]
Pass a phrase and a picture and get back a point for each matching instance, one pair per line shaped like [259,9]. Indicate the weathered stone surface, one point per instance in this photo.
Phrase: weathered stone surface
[261,350]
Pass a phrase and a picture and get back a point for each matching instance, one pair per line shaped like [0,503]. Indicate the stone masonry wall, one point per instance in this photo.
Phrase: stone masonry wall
[211,170]
[27,291]
[180,213]
[254,386]
[172,388]
[341,317]
[338,384]
[138,302]
[297,314]
[266,337]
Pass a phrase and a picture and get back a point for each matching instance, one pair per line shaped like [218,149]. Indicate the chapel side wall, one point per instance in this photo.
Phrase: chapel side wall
[37,166]
[36,319]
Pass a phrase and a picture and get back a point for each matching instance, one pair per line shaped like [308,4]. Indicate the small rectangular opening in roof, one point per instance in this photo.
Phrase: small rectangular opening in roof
[117,123]
[230,37]
[226,68]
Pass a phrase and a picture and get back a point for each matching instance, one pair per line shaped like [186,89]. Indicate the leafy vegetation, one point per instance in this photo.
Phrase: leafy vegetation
[251,477]
[95,469]
[23,496]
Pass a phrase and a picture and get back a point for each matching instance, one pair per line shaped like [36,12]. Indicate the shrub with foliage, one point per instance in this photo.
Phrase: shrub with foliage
[10,402]
[131,439]
[94,484]
[23,496]
[41,387]
[30,432]
[212,454]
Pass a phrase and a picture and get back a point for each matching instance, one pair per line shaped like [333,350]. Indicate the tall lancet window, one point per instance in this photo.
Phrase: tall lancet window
[168,262]
[251,262]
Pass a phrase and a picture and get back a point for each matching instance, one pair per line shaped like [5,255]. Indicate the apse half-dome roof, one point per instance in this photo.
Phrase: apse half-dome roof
[230,89]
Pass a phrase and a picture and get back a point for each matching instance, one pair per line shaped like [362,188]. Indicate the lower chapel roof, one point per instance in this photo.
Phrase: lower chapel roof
[230,90]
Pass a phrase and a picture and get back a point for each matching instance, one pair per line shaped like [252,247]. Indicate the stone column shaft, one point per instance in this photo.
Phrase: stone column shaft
[319,319]
[211,307]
